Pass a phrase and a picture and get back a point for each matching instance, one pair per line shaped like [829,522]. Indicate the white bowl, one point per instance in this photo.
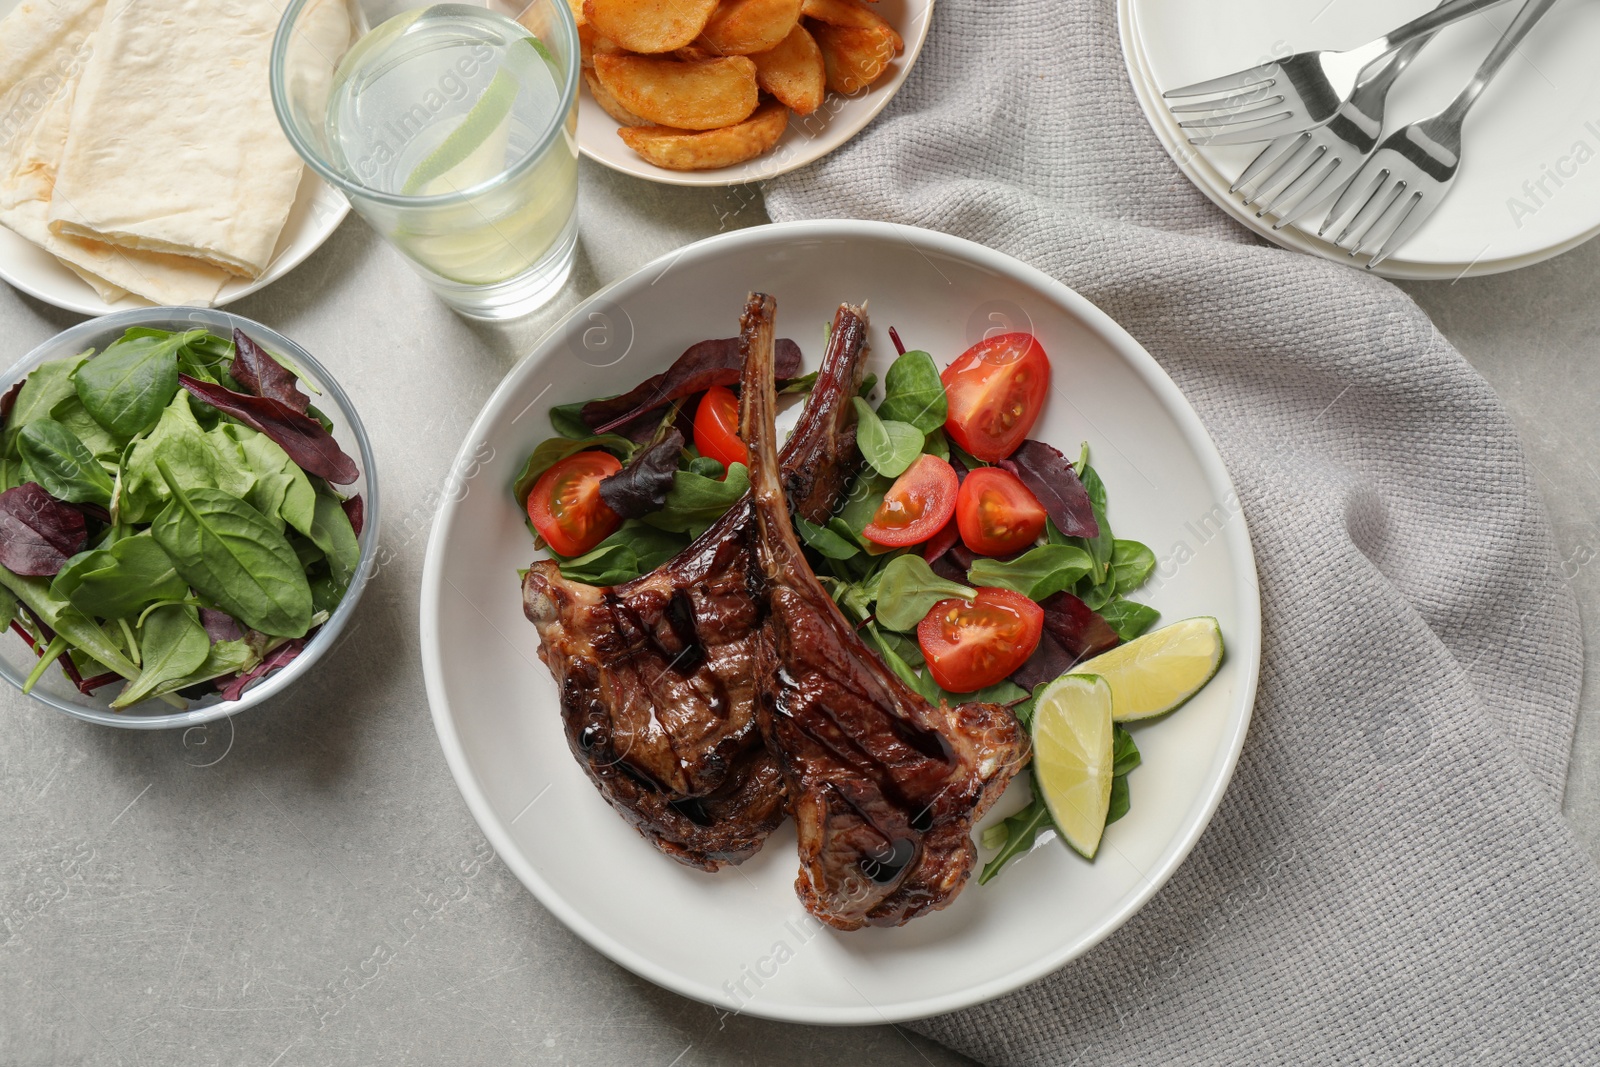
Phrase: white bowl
[717,938]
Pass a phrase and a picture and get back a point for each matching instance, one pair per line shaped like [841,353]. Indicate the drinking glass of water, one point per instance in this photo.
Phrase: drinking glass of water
[452,129]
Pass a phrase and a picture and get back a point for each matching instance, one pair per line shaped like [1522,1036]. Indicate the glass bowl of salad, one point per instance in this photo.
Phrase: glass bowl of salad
[188,516]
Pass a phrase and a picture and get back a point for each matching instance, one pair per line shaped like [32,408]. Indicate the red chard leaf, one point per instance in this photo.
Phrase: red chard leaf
[9,400]
[221,626]
[1072,633]
[278,657]
[701,366]
[641,487]
[356,511]
[303,437]
[1050,476]
[261,375]
[38,533]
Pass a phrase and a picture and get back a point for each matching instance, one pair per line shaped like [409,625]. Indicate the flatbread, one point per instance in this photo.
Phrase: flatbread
[27,181]
[173,146]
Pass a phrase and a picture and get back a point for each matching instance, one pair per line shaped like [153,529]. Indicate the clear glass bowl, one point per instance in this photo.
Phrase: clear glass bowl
[54,689]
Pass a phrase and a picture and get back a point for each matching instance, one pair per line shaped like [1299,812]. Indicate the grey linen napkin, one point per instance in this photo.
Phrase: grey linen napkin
[1389,879]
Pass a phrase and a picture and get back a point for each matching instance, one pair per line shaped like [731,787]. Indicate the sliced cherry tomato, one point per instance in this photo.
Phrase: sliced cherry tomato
[565,505]
[996,513]
[716,427]
[996,390]
[917,505]
[973,643]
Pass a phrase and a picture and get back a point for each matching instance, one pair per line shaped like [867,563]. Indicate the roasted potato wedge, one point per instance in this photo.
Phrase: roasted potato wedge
[854,58]
[590,42]
[609,104]
[744,27]
[649,26]
[708,150]
[794,72]
[688,96]
[850,14]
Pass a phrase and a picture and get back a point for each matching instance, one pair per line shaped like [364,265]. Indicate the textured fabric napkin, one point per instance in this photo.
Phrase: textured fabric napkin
[1389,879]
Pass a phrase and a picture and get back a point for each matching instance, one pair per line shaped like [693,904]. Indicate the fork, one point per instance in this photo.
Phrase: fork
[1294,94]
[1412,171]
[1307,169]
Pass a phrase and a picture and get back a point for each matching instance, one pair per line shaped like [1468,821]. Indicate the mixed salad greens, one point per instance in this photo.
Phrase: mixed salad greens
[978,562]
[168,516]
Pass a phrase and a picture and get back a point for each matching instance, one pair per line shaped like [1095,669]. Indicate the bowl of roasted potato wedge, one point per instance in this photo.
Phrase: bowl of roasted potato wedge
[720,92]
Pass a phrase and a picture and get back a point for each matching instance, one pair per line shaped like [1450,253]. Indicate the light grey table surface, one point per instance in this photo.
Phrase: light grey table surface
[304,885]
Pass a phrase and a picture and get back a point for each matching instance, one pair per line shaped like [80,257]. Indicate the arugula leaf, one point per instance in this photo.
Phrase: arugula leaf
[695,501]
[172,644]
[909,588]
[555,449]
[913,393]
[1127,618]
[127,386]
[889,446]
[233,557]
[1131,564]
[1038,573]
[825,541]
[59,462]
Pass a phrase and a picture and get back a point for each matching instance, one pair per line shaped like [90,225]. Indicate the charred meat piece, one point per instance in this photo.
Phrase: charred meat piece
[883,786]
[657,676]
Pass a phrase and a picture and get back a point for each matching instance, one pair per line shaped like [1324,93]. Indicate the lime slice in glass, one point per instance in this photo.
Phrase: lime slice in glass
[482,127]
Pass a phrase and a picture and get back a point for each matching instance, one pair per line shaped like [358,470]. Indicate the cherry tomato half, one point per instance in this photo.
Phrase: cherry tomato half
[996,513]
[917,505]
[565,505]
[996,390]
[973,643]
[716,427]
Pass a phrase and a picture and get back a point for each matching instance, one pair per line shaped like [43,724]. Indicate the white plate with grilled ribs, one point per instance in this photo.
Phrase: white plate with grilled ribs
[706,708]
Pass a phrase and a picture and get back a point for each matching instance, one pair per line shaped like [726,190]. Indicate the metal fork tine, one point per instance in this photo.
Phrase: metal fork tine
[1362,188]
[1286,123]
[1279,150]
[1226,83]
[1328,186]
[1268,109]
[1361,226]
[1383,225]
[1227,103]
[1415,215]
[1269,192]
[1310,173]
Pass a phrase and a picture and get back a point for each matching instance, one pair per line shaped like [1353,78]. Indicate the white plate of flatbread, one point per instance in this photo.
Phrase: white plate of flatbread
[140,159]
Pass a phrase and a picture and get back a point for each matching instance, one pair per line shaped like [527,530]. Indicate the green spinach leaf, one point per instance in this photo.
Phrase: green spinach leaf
[208,459]
[633,550]
[48,385]
[119,581]
[567,420]
[280,490]
[1016,835]
[1131,564]
[913,393]
[1127,618]
[66,620]
[909,588]
[59,462]
[172,644]
[825,541]
[127,386]
[331,531]
[1038,573]
[889,446]
[74,416]
[695,502]
[234,558]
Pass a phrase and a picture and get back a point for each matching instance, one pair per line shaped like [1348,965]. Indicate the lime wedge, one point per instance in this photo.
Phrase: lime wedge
[485,119]
[1153,674]
[1072,757]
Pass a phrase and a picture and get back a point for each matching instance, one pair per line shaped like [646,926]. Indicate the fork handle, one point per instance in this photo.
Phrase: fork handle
[1531,13]
[1433,21]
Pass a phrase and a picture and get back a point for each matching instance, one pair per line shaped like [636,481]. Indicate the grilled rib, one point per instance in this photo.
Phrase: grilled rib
[884,787]
[657,676]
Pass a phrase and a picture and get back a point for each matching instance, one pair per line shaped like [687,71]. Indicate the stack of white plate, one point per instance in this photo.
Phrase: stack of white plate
[1530,178]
